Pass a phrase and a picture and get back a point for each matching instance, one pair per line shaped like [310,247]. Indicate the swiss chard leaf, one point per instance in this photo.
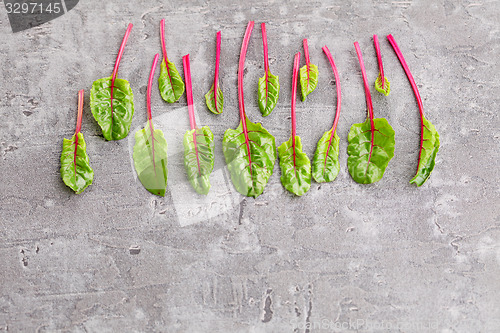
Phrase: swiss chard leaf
[371,143]
[325,164]
[250,158]
[294,163]
[382,84]
[214,97]
[112,101]
[249,150]
[198,143]
[269,85]
[115,125]
[199,157]
[170,81]
[215,102]
[429,137]
[150,150]
[75,167]
[308,74]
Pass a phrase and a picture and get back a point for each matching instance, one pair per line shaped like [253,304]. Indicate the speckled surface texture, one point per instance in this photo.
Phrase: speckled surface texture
[345,257]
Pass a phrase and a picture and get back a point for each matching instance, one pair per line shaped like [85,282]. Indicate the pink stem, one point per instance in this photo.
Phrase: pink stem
[150,83]
[162,38]
[379,58]
[296,64]
[365,81]
[80,112]
[266,57]
[337,83]
[216,78]
[241,101]
[306,52]
[189,90]
[117,64]
[415,91]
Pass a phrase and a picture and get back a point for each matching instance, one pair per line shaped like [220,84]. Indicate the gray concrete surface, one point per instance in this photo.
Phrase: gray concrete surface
[345,257]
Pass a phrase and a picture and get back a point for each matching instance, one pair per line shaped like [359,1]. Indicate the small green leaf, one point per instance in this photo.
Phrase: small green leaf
[368,160]
[199,158]
[115,124]
[268,96]
[75,167]
[249,179]
[308,79]
[387,85]
[170,82]
[150,159]
[216,108]
[428,153]
[295,167]
[325,164]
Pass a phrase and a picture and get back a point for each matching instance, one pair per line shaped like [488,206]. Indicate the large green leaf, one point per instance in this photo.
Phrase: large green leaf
[75,167]
[268,93]
[428,151]
[170,82]
[325,164]
[308,79]
[368,159]
[115,124]
[295,167]
[213,106]
[150,159]
[199,157]
[249,179]
[387,85]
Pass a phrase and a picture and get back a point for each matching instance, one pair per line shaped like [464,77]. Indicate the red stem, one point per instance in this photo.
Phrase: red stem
[337,83]
[216,78]
[80,112]
[266,57]
[296,63]
[117,64]
[365,81]
[164,49]
[415,91]
[306,52]
[379,58]
[189,90]
[241,101]
[150,83]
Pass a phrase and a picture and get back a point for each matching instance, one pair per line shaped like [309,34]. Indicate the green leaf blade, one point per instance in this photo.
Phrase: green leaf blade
[367,161]
[268,96]
[308,79]
[325,164]
[386,89]
[150,160]
[115,124]
[199,158]
[210,99]
[295,173]
[428,153]
[78,176]
[170,82]
[249,180]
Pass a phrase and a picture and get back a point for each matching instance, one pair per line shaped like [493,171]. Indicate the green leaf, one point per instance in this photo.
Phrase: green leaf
[387,85]
[268,97]
[325,164]
[75,167]
[150,159]
[199,158]
[249,179]
[115,124]
[368,160]
[170,82]
[428,153]
[295,167]
[308,79]
[210,99]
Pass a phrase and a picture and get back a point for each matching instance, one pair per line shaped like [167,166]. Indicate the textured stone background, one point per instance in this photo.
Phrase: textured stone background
[118,259]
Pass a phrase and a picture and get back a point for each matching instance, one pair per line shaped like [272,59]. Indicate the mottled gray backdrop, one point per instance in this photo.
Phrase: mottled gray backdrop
[344,257]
